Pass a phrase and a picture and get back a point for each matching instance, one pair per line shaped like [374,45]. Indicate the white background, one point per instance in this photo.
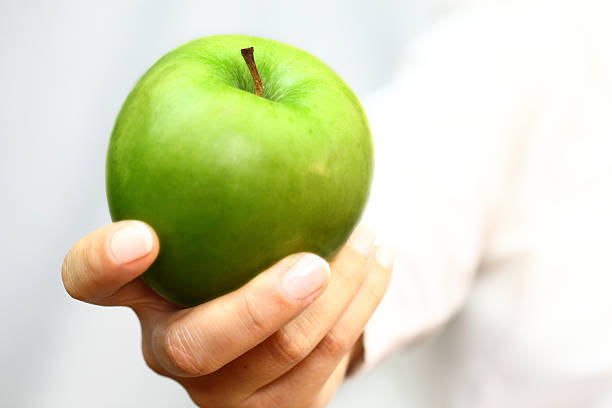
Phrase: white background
[65,69]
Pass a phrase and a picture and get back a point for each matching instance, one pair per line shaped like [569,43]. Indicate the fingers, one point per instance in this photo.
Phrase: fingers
[310,376]
[333,382]
[101,263]
[294,341]
[200,340]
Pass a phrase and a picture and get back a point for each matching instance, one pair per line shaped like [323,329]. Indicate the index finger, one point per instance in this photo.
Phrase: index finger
[200,340]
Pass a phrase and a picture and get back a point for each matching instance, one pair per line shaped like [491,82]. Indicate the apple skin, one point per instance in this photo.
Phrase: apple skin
[233,182]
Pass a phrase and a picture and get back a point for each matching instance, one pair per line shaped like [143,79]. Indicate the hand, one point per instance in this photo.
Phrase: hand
[283,340]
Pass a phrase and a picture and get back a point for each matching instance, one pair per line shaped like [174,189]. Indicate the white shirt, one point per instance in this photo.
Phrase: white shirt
[494,181]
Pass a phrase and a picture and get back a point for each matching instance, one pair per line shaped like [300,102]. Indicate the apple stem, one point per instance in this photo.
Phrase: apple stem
[247,54]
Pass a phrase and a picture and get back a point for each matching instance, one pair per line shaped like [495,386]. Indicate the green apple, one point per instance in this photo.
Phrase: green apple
[231,181]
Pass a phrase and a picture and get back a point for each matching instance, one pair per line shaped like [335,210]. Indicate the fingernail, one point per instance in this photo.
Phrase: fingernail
[362,240]
[304,278]
[385,256]
[131,242]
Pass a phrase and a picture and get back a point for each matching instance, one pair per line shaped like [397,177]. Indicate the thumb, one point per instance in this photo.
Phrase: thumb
[101,263]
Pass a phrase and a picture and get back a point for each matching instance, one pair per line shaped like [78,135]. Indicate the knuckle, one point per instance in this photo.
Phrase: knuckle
[94,274]
[152,362]
[182,353]
[148,353]
[81,272]
[68,278]
[377,289]
[374,292]
[252,319]
[334,344]
[352,271]
[290,348]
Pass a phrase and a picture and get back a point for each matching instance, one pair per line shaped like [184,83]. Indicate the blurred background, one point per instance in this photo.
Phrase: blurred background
[67,66]
[65,70]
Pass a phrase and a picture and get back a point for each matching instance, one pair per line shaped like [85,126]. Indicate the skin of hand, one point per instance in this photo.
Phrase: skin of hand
[284,339]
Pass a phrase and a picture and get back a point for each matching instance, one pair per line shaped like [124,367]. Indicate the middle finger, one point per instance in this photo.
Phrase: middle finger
[292,343]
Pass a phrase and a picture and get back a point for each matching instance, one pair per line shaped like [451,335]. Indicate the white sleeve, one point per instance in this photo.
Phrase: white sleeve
[448,139]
